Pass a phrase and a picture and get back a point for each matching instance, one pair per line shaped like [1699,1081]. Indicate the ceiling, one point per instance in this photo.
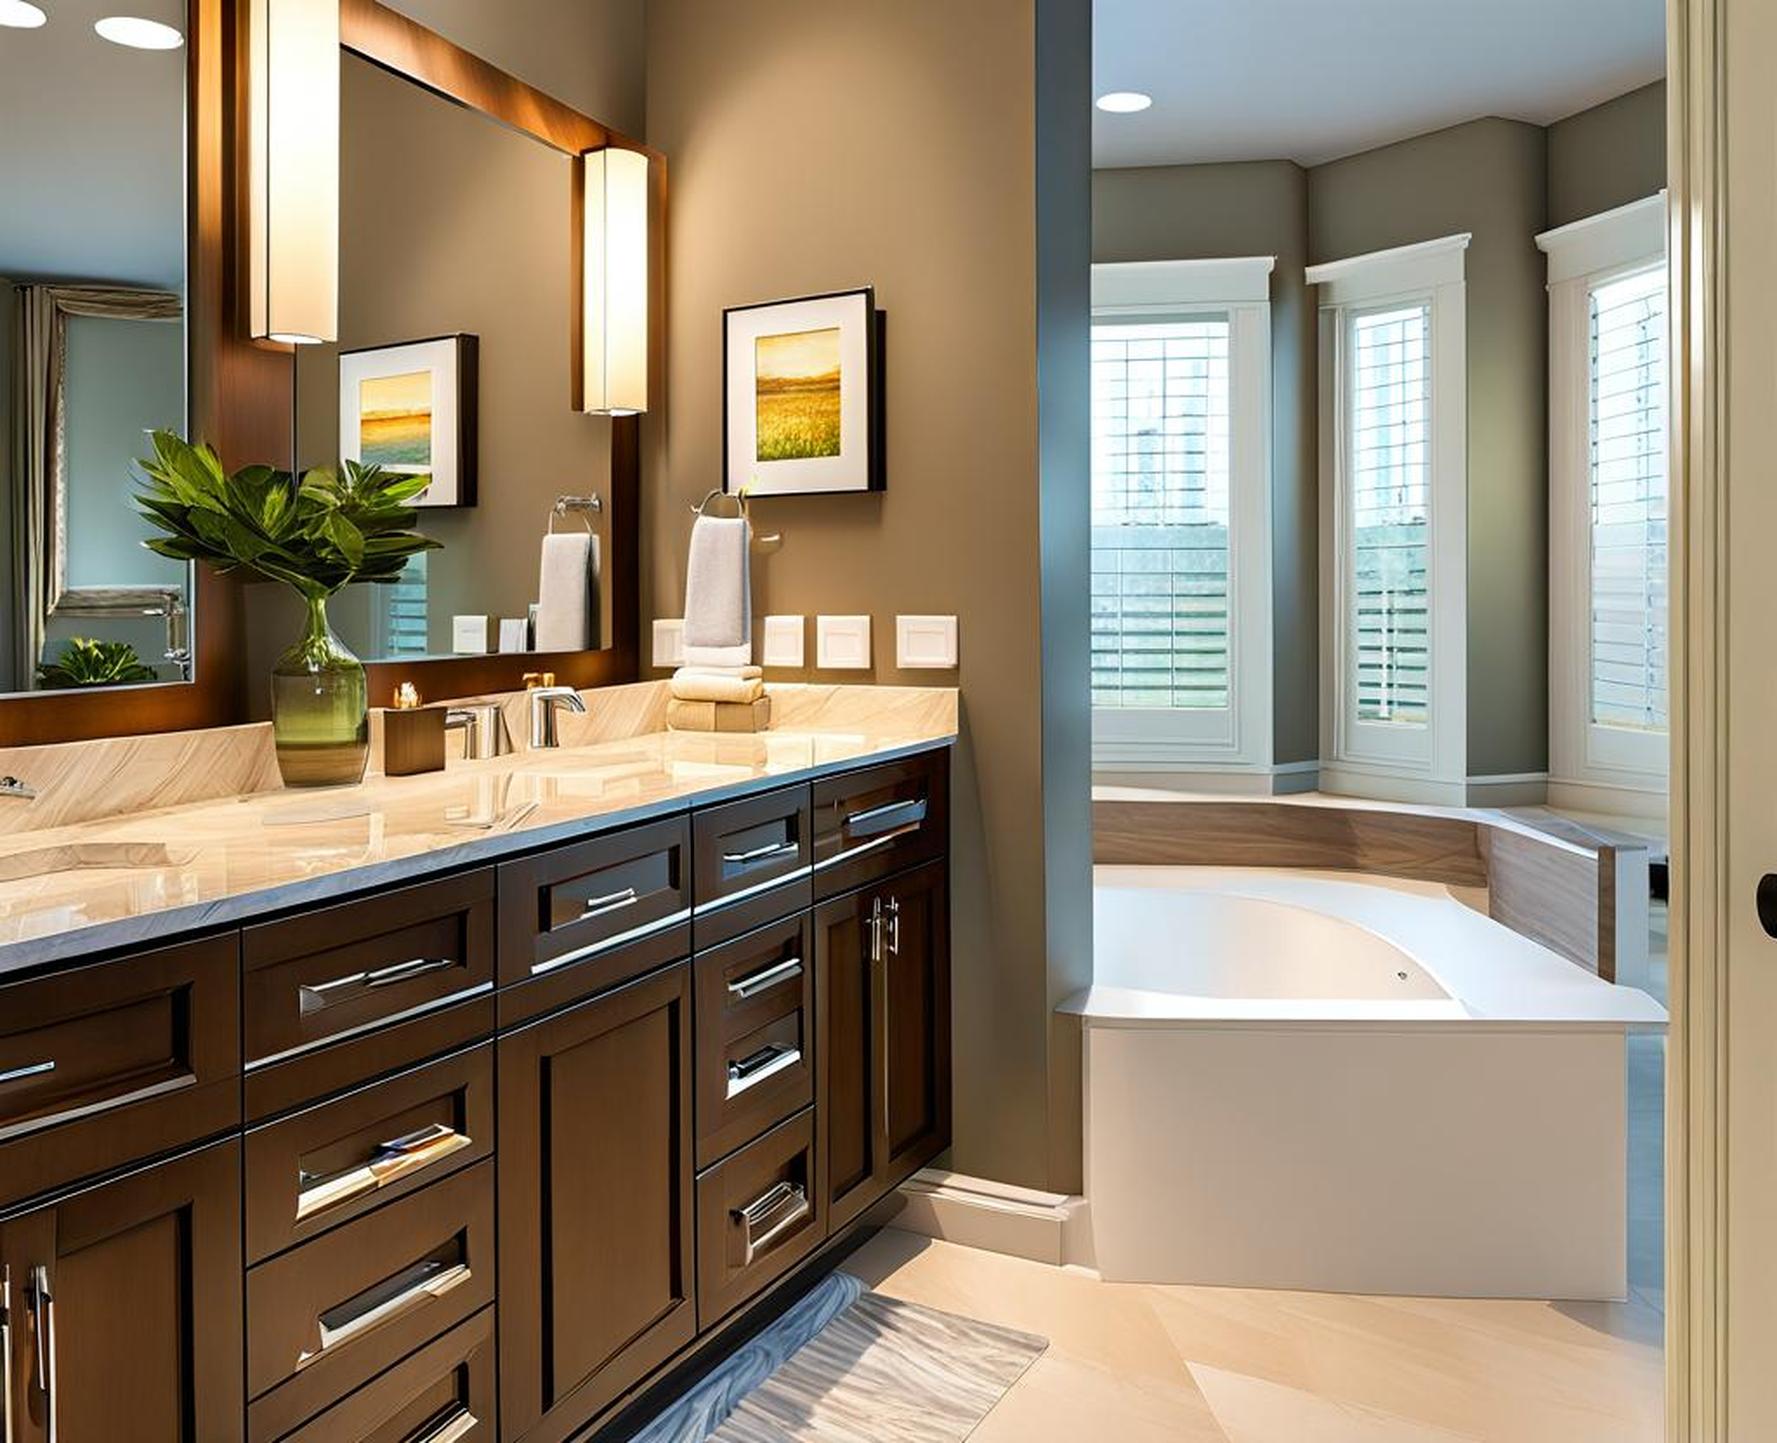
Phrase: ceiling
[93,164]
[1312,80]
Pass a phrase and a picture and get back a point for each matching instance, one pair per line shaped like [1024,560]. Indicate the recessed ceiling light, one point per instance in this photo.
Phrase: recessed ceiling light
[139,34]
[1124,102]
[17,15]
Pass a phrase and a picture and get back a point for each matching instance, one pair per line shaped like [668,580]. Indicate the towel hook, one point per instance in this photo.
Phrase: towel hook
[742,514]
[580,505]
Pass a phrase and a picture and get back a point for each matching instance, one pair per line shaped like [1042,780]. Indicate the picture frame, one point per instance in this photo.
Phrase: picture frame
[802,407]
[411,408]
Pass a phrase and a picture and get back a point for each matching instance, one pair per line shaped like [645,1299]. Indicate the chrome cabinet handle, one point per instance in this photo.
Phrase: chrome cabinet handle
[311,997]
[394,1160]
[745,988]
[30,1069]
[902,816]
[43,1315]
[759,854]
[610,902]
[753,1069]
[458,1426]
[894,927]
[6,1354]
[873,923]
[411,1286]
[786,1201]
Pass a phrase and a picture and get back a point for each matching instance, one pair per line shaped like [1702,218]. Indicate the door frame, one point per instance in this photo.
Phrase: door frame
[1696,1158]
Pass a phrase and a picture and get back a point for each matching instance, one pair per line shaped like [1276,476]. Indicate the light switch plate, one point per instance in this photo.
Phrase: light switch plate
[669,641]
[925,642]
[842,643]
[784,644]
[468,635]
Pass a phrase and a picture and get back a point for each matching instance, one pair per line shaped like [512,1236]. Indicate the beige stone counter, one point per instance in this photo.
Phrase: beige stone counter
[96,885]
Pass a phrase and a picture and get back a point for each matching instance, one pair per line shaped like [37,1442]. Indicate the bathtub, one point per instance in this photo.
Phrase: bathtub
[1344,1084]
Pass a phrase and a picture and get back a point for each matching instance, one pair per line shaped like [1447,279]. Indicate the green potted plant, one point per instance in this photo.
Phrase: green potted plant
[87,661]
[316,535]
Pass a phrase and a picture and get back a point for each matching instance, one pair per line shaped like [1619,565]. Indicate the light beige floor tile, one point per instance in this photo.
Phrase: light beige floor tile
[1065,1400]
[1251,1410]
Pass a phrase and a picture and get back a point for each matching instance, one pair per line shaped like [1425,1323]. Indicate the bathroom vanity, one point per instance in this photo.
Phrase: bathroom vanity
[483,1145]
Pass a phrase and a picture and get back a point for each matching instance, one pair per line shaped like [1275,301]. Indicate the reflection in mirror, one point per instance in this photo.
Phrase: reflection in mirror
[456,314]
[92,348]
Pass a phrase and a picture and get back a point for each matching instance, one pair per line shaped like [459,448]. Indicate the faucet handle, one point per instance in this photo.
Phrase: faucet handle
[13,787]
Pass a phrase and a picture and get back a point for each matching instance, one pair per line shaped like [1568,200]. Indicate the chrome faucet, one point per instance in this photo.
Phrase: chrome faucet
[483,734]
[13,787]
[544,702]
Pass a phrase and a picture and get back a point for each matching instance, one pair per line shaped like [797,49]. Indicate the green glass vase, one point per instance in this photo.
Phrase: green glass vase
[320,708]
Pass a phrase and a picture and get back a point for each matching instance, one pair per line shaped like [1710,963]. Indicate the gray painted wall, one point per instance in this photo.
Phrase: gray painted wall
[1608,156]
[1488,177]
[1187,212]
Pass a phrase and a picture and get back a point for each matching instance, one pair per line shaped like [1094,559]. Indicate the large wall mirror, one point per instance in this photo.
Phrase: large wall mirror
[93,348]
[456,333]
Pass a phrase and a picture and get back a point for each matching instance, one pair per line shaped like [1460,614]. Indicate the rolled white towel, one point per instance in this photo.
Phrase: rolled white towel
[704,683]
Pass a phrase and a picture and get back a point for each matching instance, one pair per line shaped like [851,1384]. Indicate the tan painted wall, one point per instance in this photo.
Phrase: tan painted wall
[1609,155]
[1487,177]
[1183,212]
[813,147]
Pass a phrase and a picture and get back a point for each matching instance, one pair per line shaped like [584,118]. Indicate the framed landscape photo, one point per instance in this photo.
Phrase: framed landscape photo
[801,396]
[411,409]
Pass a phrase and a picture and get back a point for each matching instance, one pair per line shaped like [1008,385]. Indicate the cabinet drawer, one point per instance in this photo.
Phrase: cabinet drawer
[331,1163]
[328,1316]
[102,1065]
[758,1214]
[868,824]
[341,972]
[752,863]
[442,1394]
[755,1035]
[578,919]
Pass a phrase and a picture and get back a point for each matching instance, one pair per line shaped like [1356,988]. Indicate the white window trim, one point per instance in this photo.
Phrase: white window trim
[1611,769]
[1420,764]
[1238,739]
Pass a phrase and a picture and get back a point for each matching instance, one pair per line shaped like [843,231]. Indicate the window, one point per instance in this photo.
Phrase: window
[1160,456]
[1394,534]
[1607,511]
[401,617]
[1180,501]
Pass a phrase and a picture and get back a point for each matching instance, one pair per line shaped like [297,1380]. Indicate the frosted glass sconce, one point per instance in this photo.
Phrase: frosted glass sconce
[614,282]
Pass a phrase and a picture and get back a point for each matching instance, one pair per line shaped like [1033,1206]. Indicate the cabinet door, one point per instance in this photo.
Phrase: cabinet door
[123,1309]
[596,1212]
[883,1043]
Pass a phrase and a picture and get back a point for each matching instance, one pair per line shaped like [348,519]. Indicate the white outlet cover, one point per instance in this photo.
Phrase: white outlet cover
[468,635]
[842,643]
[784,641]
[669,641]
[925,642]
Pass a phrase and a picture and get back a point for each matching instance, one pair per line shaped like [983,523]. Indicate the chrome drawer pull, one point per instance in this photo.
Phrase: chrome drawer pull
[459,1425]
[897,817]
[759,854]
[311,997]
[43,1318]
[787,1200]
[610,902]
[767,1062]
[6,1353]
[30,1069]
[749,987]
[394,1160]
[429,1280]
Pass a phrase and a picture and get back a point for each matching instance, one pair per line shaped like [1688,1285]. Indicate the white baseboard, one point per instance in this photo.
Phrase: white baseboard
[1343,779]
[1515,789]
[1282,779]
[1603,799]
[1045,1227]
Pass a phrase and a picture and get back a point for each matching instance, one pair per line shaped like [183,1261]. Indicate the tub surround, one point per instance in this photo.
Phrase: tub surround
[226,858]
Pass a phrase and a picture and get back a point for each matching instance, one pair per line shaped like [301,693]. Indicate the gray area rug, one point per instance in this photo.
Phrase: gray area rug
[849,1366]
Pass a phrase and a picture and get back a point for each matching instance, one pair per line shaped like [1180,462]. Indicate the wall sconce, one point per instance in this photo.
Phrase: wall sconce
[293,170]
[614,282]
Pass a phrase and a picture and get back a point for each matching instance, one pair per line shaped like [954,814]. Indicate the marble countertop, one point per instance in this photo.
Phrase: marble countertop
[77,890]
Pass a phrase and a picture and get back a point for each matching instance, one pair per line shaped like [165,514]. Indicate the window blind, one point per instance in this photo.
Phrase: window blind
[1160,479]
[1388,493]
[403,612]
[1628,495]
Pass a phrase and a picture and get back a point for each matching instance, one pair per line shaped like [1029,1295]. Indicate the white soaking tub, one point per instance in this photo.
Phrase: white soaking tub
[1355,1085]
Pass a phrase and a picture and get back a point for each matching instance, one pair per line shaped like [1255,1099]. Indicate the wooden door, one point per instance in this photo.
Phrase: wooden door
[596,1204]
[123,1309]
[915,1021]
[847,984]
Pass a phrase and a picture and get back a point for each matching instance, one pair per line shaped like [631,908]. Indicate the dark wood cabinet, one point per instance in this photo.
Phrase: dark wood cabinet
[123,1309]
[596,1203]
[883,1039]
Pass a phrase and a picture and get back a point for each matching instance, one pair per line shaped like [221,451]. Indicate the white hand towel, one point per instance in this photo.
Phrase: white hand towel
[565,588]
[719,594]
[708,683]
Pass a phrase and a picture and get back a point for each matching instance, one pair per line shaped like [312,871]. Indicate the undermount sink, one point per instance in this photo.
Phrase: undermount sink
[89,856]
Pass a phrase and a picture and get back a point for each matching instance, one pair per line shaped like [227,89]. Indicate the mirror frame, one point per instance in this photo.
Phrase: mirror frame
[242,393]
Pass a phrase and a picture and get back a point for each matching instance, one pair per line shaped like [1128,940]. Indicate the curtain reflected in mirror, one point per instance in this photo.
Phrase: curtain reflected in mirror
[92,353]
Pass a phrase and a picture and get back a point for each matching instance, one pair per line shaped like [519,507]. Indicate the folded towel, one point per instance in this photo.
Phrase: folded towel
[693,683]
[719,594]
[745,673]
[565,592]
